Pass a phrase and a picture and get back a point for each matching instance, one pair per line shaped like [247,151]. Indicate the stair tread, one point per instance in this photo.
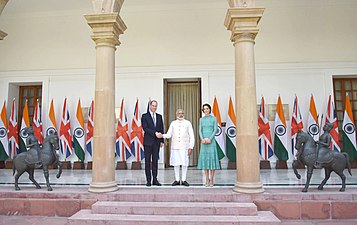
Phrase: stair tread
[262,216]
[175,204]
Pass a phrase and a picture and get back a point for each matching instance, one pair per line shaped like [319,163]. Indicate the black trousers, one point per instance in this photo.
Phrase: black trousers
[151,157]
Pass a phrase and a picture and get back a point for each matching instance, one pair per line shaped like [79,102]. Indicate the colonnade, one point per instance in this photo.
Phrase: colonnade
[242,20]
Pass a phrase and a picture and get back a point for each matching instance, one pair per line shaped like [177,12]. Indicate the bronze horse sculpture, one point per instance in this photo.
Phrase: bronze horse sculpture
[310,152]
[47,156]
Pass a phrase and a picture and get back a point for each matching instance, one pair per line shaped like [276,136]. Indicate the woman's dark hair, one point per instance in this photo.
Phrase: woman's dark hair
[208,106]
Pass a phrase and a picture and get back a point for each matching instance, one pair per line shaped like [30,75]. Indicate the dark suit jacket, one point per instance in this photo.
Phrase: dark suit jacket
[150,129]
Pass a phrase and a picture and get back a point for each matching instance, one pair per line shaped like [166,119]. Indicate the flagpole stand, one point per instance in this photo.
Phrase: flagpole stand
[136,165]
[89,165]
[66,165]
[299,164]
[78,165]
[2,164]
[8,164]
[242,20]
[281,164]
[265,164]
[232,165]
[354,164]
[121,165]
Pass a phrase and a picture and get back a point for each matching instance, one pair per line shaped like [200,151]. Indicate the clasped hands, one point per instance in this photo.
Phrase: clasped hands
[158,134]
[206,141]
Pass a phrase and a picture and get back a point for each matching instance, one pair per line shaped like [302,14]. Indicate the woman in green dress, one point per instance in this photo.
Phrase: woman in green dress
[208,158]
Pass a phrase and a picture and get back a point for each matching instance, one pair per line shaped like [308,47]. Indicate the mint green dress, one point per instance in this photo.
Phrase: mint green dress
[208,158]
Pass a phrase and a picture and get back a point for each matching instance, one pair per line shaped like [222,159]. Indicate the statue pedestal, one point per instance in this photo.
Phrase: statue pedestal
[281,164]
[8,164]
[89,165]
[2,164]
[265,164]
[232,166]
[66,165]
[78,165]
[136,165]
[121,165]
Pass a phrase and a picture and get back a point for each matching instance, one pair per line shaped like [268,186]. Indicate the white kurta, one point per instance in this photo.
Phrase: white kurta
[182,139]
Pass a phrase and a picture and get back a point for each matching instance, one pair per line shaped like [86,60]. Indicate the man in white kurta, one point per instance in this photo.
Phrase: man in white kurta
[182,143]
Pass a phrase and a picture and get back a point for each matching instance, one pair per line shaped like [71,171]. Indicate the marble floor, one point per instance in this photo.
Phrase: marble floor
[224,178]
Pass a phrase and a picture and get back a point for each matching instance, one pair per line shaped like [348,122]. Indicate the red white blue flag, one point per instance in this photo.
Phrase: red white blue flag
[13,132]
[90,130]
[331,117]
[296,124]
[137,135]
[37,123]
[122,143]
[65,133]
[264,136]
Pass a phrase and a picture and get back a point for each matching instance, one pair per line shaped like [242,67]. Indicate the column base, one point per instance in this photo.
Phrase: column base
[247,187]
[103,187]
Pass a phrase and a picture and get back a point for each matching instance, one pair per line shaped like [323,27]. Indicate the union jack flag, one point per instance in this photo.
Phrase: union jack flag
[136,135]
[264,136]
[331,117]
[65,133]
[90,129]
[37,123]
[296,124]
[13,132]
[122,143]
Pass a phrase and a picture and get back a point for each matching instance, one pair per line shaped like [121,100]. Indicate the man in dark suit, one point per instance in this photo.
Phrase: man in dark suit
[153,129]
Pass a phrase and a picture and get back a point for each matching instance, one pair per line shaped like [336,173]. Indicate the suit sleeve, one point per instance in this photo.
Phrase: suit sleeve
[192,136]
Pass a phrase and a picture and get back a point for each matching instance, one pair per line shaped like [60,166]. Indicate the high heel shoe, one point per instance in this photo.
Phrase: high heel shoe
[211,184]
[207,183]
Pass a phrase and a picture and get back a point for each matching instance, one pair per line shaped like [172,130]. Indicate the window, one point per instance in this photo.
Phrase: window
[31,94]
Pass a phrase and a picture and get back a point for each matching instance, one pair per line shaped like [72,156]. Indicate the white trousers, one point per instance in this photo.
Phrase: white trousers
[177,173]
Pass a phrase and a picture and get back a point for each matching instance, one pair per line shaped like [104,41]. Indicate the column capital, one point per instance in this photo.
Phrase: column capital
[2,35]
[243,22]
[106,27]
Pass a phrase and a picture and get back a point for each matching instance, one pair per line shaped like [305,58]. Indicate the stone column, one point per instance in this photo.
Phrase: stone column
[106,30]
[242,20]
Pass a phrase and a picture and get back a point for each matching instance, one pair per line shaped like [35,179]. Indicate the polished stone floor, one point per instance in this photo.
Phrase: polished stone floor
[270,178]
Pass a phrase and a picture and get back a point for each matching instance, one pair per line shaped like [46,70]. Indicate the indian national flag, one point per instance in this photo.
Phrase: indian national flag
[349,132]
[79,139]
[13,134]
[219,133]
[4,142]
[24,123]
[312,121]
[51,120]
[231,133]
[280,134]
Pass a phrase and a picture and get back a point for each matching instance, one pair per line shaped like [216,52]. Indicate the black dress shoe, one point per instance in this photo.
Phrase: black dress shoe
[176,183]
[156,183]
[148,184]
[185,183]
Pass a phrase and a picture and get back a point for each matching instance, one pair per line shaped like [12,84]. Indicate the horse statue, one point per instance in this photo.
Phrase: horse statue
[316,155]
[47,155]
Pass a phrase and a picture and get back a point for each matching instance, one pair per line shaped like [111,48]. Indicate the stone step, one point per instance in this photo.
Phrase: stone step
[175,208]
[85,217]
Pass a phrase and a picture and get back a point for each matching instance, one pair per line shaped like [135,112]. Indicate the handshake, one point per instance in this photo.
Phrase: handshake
[158,134]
